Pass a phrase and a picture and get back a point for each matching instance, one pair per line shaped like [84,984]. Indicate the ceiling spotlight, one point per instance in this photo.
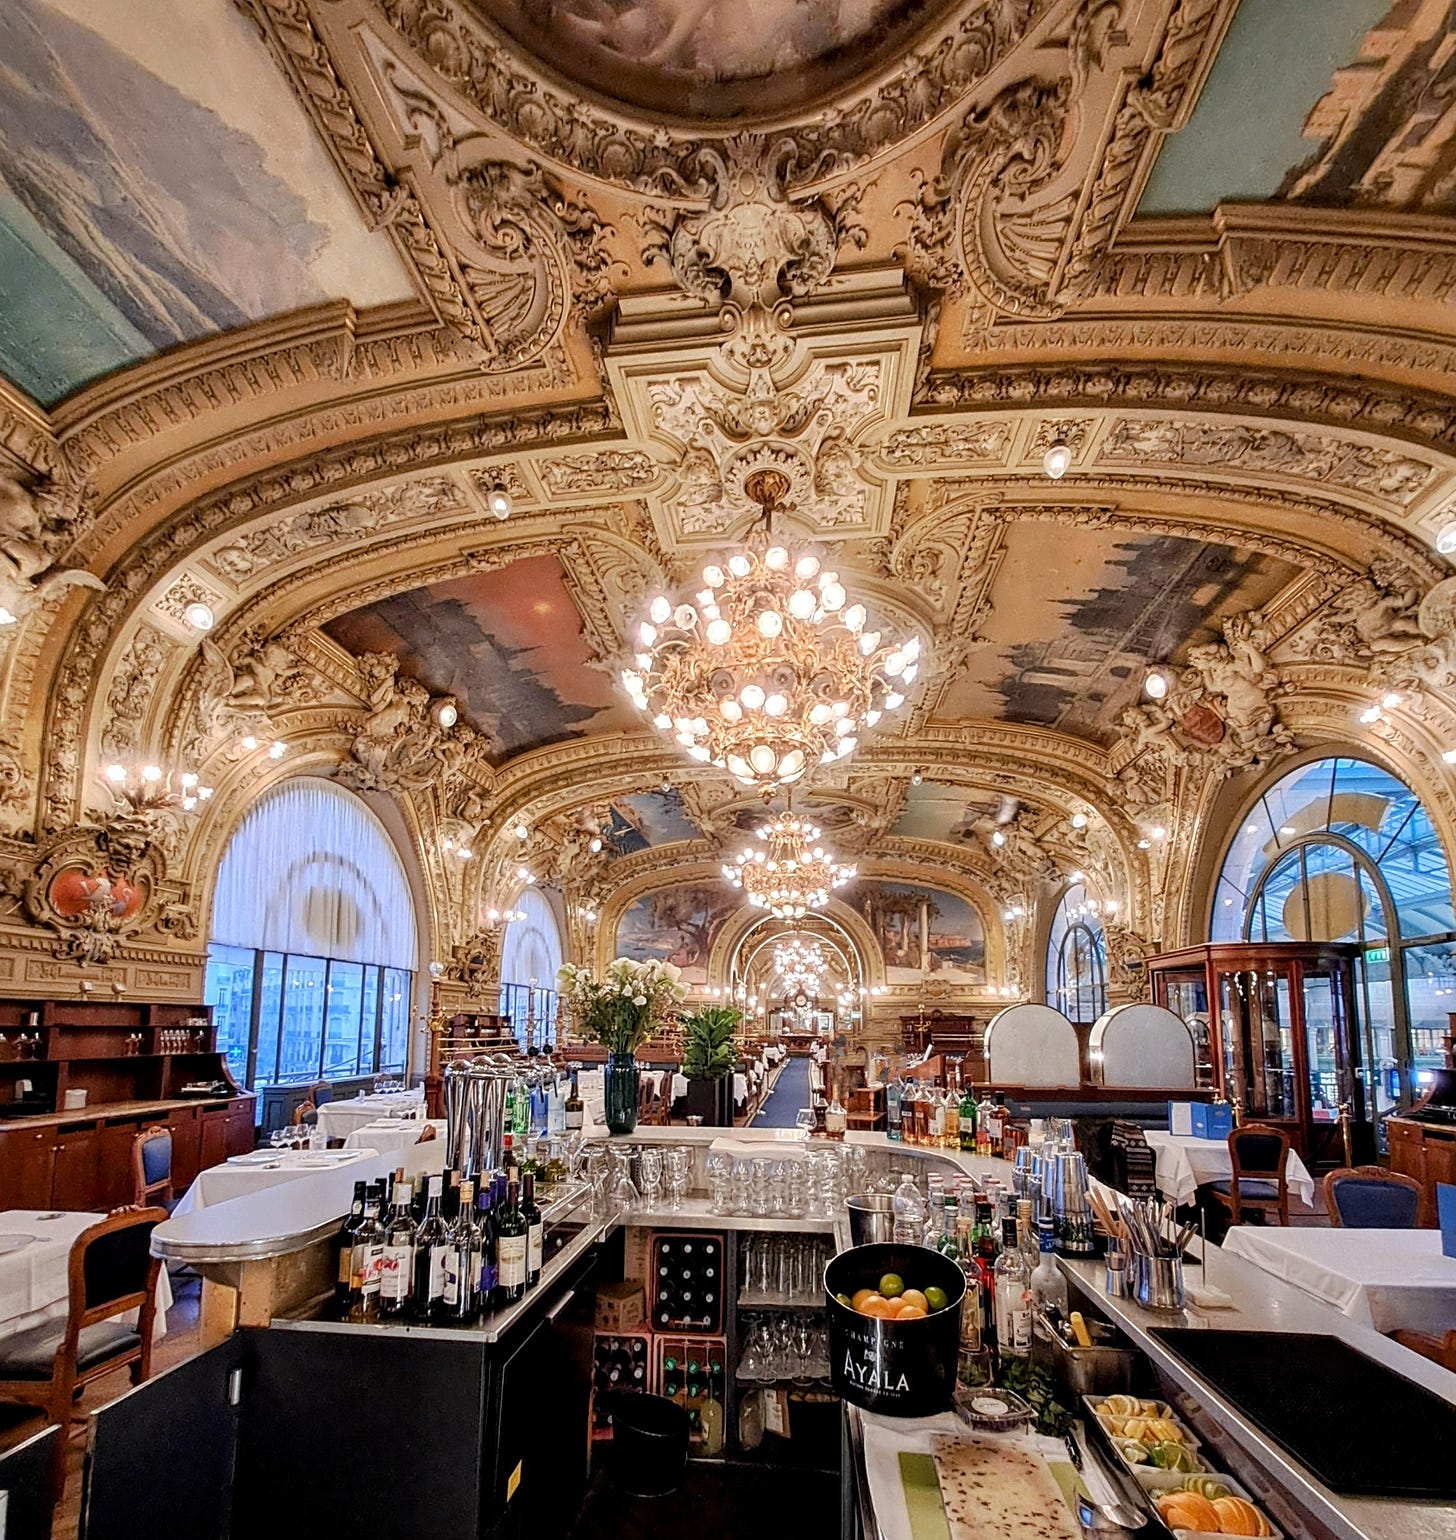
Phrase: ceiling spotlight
[1145,844]
[277,749]
[444,712]
[1158,832]
[1156,684]
[522,832]
[250,743]
[916,779]
[1450,756]
[596,844]
[1391,701]
[116,773]
[1057,461]
[1370,714]
[6,618]
[498,500]
[1079,820]
[998,839]
[1446,539]
[199,616]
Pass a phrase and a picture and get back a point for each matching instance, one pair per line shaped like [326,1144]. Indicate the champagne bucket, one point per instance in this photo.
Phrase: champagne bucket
[871,1218]
[1158,1282]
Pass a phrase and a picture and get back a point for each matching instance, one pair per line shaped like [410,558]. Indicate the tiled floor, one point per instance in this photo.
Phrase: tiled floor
[183,1340]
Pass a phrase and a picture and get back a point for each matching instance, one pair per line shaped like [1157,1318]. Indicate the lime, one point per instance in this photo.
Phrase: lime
[892,1286]
[845,1300]
[1173,1457]
[936,1299]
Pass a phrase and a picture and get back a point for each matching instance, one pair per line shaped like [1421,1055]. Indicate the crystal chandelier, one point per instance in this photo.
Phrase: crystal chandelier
[768,670]
[788,872]
[800,966]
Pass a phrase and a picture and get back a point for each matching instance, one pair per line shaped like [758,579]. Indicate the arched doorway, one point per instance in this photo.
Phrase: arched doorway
[1076,959]
[531,954]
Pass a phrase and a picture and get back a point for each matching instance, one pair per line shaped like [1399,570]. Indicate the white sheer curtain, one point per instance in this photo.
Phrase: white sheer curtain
[531,948]
[311,870]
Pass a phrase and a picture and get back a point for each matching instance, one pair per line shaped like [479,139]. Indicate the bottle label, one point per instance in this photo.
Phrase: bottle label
[439,1260]
[456,1266]
[535,1237]
[511,1260]
[573,1117]
[489,1274]
[371,1272]
[394,1272]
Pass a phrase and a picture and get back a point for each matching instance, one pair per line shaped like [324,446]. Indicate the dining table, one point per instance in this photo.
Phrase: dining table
[392,1133]
[339,1119]
[35,1248]
[1387,1279]
[1184,1163]
[259,1169]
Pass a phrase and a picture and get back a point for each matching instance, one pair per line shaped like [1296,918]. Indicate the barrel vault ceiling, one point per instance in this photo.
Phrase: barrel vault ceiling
[288,288]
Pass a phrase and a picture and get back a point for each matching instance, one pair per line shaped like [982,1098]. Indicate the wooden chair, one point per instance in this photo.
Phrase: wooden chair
[110,1271]
[1372,1198]
[1259,1155]
[151,1168]
[650,1108]
[1439,1349]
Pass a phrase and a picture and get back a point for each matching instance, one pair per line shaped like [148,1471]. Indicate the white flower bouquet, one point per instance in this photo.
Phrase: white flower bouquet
[624,1009]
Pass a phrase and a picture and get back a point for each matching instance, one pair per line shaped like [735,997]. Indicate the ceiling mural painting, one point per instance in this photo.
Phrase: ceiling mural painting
[507,645]
[676,925]
[647,819]
[148,198]
[1328,102]
[1075,622]
[923,932]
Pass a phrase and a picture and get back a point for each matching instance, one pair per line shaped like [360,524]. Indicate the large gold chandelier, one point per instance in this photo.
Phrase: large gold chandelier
[788,872]
[800,966]
[768,670]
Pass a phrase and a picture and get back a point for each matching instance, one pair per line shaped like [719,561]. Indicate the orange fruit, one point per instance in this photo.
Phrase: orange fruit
[915,1297]
[857,1299]
[1191,1510]
[910,1313]
[879,1307]
[1237,1517]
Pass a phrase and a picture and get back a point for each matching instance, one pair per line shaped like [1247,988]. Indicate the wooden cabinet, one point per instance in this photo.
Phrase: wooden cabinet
[240,1135]
[27,1166]
[186,1126]
[214,1136]
[1407,1149]
[76,1179]
[1425,1151]
[115,1182]
[1440,1159]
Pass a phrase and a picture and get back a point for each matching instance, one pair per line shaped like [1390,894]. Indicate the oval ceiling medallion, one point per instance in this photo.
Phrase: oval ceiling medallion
[714,59]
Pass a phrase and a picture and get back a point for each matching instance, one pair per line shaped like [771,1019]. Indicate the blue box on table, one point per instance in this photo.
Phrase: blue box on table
[1212,1120]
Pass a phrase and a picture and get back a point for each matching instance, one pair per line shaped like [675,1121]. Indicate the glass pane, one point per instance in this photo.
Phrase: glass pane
[1188,999]
[270,1003]
[1322,1041]
[395,1045]
[1430,976]
[345,994]
[1283,902]
[1414,869]
[368,1020]
[1257,1048]
[303,1019]
[229,989]
[1381,1071]
[1333,897]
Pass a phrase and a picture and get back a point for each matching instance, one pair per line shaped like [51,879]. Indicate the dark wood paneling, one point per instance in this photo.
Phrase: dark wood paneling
[27,1166]
[76,1183]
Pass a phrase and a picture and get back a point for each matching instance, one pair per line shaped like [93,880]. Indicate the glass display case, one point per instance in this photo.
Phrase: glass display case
[1275,1029]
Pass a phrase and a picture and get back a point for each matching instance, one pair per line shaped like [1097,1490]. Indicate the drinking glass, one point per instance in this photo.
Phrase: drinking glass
[804,1120]
[598,1166]
[622,1195]
[803,1347]
[679,1167]
[649,1167]
[720,1170]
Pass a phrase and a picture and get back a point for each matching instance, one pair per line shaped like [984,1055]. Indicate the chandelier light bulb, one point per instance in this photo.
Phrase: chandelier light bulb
[1057,461]
[1156,684]
[116,774]
[776,558]
[739,566]
[719,632]
[660,610]
[770,624]
[151,774]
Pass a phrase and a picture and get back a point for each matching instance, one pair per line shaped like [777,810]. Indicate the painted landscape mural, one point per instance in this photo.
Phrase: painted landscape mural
[507,645]
[147,198]
[646,819]
[677,925]
[924,931]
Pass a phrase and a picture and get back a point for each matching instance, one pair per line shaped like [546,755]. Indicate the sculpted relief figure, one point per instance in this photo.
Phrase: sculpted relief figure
[32,527]
[1406,638]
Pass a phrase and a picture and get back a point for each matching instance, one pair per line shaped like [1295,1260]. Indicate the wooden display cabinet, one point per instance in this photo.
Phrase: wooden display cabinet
[132,1059]
[1276,1029]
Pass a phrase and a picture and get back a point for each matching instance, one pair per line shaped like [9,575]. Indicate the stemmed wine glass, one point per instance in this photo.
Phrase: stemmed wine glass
[649,1168]
[622,1195]
[679,1167]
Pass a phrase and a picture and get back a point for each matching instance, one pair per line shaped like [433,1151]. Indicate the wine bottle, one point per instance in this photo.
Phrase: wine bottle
[511,1241]
[343,1282]
[487,1276]
[535,1230]
[461,1298]
[430,1246]
[397,1269]
[575,1109]
[367,1266]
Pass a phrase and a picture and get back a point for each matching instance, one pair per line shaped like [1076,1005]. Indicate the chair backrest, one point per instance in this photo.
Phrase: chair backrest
[1372,1198]
[151,1165]
[321,1093]
[112,1269]
[1258,1150]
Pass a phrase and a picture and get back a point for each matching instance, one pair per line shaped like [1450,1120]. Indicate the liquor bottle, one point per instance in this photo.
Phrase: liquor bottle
[983,1124]
[431,1245]
[367,1266]
[1027,1234]
[1048,1286]
[575,1109]
[397,1269]
[343,1282]
[521,1117]
[511,1240]
[450,1199]
[836,1120]
[951,1133]
[460,1298]
[986,1272]
[1013,1297]
[909,1209]
[998,1126]
[968,1120]
[535,1230]
[487,1277]
[910,1112]
[894,1093]
[946,1242]
[935,1113]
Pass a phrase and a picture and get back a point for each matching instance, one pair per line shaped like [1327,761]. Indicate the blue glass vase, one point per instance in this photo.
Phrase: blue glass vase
[622,1081]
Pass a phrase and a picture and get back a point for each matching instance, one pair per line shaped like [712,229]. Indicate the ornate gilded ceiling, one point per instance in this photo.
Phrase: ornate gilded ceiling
[338,270]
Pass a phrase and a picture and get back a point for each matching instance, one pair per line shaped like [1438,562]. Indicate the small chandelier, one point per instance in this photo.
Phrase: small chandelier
[769,670]
[799,966]
[147,788]
[789,872]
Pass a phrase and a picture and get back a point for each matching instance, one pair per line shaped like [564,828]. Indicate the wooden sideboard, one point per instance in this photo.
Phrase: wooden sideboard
[1426,1151]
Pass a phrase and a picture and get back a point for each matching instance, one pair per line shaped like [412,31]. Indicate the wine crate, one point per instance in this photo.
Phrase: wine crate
[691,1371]
[629,1355]
[687,1282]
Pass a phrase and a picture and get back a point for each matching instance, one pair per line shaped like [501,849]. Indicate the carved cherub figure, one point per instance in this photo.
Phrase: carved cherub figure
[27,573]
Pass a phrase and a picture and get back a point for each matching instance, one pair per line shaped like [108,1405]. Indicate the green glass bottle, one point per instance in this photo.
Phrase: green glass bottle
[968,1120]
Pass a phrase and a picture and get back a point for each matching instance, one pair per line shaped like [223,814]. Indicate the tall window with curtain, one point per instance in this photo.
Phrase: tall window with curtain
[531,953]
[313,947]
[1076,963]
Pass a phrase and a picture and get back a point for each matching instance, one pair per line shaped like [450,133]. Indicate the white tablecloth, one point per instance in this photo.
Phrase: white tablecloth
[679,1085]
[339,1119]
[33,1280]
[1387,1279]
[392,1134]
[1184,1164]
[740,1089]
[235,1177]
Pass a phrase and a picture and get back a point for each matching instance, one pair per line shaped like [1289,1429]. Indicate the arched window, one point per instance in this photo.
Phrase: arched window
[1341,850]
[1076,961]
[530,955]
[313,948]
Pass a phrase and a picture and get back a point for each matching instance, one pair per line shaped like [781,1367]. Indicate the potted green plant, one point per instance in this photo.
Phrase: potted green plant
[709,1054]
[621,1011]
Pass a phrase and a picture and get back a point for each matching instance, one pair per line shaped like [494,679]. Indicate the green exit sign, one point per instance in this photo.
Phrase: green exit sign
[1377,954]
